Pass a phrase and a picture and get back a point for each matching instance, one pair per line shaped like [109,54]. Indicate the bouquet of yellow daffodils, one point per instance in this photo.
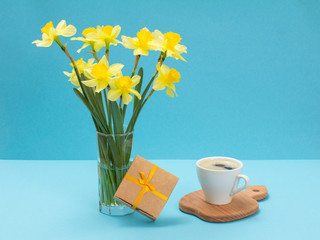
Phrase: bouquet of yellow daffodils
[106,91]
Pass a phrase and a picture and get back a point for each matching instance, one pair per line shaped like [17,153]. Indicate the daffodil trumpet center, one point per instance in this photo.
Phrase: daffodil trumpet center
[47,27]
[172,39]
[144,37]
[100,71]
[124,84]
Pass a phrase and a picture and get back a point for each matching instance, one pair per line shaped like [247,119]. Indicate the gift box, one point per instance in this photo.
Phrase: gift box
[146,187]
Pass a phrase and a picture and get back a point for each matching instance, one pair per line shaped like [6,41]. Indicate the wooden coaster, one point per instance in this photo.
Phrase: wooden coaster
[243,204]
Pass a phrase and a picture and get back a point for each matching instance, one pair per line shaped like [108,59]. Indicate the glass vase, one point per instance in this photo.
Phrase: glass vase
[114,154]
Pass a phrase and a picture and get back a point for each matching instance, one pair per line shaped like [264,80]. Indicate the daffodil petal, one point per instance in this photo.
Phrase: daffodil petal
[156,45]
[181,58]
[135,80]
[92,36]
[129,42]
[180,49]
[83,46]
[126,98]
[135,92]
[158,66]
[164,69]
[173,88]
[177,56]
[69,31]
[140,51]
[87,73]
[101,85]
[98,45]
[90,83]
[170,85]
[174,55]
[90,61]
[61,26]
[46,37]
[43,43]
[80,89]
[170,93]
[52,33]
[79,39]
[99,28]
[158,85]
[158,36]
[104,60]
[118,75]
[68,74]
[116,31]
[74,80]
[114,42]
[115,68]
[113,84]
[114,94]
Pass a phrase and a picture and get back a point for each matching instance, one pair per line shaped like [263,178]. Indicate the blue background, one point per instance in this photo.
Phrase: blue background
[250,88]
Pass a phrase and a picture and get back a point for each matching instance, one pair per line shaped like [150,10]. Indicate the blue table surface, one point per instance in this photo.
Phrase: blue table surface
[59,200]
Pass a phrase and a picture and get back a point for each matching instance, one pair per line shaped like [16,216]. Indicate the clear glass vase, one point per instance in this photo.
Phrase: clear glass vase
[114,154]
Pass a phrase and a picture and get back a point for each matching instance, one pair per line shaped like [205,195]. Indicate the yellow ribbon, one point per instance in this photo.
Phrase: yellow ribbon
[146,186]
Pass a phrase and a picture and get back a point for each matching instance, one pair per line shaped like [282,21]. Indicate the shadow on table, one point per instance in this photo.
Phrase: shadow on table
[138,220]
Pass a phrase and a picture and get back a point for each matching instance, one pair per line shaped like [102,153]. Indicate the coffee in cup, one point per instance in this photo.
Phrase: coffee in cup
[219,164]
[219,178]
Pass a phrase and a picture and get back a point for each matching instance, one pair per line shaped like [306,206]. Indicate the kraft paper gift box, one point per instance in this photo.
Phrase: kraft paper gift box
[146,187]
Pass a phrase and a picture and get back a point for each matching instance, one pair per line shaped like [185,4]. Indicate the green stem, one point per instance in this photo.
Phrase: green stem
[113,151]
[124,112]
[136,61]
[108,108]
[107,53]
[141,103]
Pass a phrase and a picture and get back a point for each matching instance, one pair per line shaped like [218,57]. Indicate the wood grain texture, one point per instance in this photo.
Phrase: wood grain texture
[243,204]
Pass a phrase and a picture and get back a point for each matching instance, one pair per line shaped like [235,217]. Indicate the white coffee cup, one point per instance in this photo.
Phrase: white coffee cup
[220,185]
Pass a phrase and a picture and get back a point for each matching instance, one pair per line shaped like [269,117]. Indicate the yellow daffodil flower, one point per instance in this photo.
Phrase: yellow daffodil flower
[123,86]
[105,35]
[50,34]
[170,43]
[81,66]
[165,79]
[96,45]
[142,43]
[101,73]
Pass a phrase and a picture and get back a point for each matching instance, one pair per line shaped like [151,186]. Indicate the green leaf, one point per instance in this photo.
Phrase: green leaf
[138,87]
[106,102]
[97,121]
[118,128]
[83,99]
[96,102]
[117,119]
[92,111]
[139,106]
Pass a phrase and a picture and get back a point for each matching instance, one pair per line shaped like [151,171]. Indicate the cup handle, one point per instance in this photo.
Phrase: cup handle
[235,188]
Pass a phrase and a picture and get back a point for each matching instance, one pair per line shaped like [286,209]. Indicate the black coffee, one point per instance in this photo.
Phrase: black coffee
[219,164]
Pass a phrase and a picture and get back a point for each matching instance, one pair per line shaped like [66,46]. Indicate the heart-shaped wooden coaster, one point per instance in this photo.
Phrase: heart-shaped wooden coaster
[243,204]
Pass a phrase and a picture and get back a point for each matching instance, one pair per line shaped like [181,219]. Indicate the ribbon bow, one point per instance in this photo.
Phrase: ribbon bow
[144,182]
[146,186]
